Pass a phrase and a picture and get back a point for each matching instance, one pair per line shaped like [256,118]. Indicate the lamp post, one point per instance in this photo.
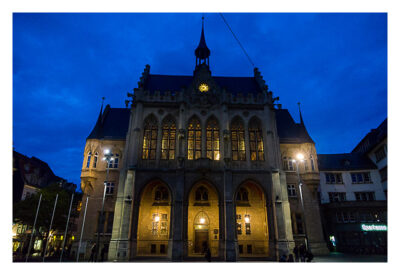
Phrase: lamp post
[300,158]
[108,157]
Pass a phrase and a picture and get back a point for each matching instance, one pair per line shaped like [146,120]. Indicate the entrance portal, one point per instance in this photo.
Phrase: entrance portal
[201,241]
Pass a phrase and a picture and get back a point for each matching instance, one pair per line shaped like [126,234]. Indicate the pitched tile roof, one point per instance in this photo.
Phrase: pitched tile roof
[344,162]
[288,130]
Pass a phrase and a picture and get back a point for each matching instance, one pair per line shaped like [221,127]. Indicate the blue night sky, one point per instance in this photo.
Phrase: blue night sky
[334,64]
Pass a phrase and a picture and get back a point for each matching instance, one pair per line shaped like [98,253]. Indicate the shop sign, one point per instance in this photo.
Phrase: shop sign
[374,227]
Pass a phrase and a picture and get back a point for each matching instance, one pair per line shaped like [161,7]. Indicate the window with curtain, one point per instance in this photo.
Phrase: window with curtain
[238,141]
[194,139]
[256,140]
[168,139]
[212,139]
[150,138]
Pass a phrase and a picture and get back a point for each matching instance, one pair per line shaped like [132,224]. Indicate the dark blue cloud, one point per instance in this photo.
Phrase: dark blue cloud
[335,64]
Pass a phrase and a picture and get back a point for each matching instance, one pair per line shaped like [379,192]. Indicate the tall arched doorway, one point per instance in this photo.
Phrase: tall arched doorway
[251,221]
[154,220]
[203,220]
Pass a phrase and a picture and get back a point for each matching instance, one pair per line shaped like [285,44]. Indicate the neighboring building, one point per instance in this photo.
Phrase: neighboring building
[29,176]
[200,162]
[374,145]
[353,202]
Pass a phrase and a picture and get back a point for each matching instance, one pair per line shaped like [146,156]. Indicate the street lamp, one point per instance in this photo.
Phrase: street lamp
[108,157]
[300,158]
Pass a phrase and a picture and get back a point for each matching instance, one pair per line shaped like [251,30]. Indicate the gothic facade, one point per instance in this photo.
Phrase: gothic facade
[200,162]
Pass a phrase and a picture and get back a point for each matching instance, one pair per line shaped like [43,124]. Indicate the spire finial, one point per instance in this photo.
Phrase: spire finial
[301,117]
[202,52]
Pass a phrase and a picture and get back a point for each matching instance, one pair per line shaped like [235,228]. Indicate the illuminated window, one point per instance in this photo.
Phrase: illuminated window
[88,159]
[239,228]
[238,141]
[194,139]
[96,155]
[161,194]
[150,138]
[201,194]
[247,224]
[212,139]
[168,139]
[256,141]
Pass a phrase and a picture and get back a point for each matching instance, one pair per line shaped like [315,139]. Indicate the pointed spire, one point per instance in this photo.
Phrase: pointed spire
[301,117]
[202,52]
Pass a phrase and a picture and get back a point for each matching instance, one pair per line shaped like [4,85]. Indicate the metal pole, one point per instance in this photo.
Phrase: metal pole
[33,229]
[83,226]
[101,223]
[302,205]
[51,225]
[66,227]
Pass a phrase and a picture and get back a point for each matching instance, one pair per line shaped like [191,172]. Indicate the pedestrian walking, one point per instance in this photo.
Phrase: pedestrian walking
[93,253]
[290,259]
[296,253]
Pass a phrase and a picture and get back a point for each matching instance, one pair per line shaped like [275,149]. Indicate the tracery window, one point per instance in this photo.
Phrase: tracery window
[168,139]
[212,139]
[96,155]
[161,194]
[88,159]
[201,194]
[256,141]
[242,195]
[150,138]
[238,141]
[194,139]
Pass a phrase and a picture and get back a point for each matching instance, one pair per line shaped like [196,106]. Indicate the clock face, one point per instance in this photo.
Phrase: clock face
[203,88]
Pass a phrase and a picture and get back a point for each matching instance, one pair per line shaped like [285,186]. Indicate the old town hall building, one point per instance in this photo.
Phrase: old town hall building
[199,161]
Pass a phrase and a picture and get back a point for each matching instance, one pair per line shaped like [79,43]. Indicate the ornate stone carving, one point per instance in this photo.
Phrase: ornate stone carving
[181,133]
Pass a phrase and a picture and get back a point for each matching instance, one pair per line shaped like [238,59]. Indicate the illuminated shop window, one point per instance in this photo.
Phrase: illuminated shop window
[212,139]
[238,140]
[150,138]
[256,141]
[168,139]
[194,139]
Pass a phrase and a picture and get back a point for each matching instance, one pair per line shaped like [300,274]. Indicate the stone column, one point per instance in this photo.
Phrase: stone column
[176,247]
[230,225]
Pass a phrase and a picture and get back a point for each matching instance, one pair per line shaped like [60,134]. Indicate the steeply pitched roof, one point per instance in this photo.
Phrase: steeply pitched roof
[112,124]
[288,130]
[174,83]
[372,139]
[344,162]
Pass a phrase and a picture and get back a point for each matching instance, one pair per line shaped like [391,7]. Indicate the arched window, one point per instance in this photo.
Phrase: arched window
[212,138]
[161,194]
[256,141]
[312,163]
[194,139]
[242,195]
[96,155]
[168,139]
[285,163]
[89,156]
[201,194]
[237,138]
[150,138]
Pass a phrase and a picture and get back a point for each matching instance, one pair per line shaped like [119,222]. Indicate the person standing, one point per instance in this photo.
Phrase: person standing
[290,259]
[93,253]
[302,252]
[296,253]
